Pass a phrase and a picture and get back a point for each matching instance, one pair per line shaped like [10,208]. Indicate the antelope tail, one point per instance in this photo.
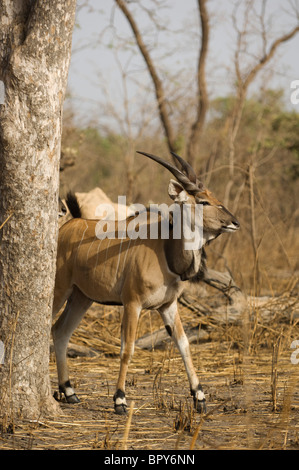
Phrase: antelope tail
[73,205]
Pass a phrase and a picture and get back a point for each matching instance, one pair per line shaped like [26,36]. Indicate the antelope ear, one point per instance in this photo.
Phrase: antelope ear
[177,192]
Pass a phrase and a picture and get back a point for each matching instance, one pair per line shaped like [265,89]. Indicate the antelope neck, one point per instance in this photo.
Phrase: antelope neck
[184,263]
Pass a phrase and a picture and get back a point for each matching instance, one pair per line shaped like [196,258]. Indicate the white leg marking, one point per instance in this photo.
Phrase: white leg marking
[199,395]
[68,391]
[121,401]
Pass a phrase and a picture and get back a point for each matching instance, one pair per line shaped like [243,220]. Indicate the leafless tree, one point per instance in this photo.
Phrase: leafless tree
[132,128]
[201,100]
[252,25]
[246,74]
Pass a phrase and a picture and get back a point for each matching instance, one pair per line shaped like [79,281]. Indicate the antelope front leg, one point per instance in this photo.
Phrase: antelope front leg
[175,329]
[128,335]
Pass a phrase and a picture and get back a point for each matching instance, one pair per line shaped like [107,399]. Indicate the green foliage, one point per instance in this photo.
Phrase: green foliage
[286,127]
[264,117]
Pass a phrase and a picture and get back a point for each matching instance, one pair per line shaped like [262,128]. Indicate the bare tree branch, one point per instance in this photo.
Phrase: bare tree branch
[244,80]
[159,89]
[286,37]
[202,95]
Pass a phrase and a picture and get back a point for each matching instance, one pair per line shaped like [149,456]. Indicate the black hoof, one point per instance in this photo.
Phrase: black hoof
[200,406]
[72,399]
[57,395]
[199,400]
[120,409]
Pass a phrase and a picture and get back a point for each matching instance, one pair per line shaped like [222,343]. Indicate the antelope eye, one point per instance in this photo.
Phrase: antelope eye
[205,203]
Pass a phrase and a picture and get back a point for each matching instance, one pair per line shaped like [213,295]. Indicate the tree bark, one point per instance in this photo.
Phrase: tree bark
[35,46]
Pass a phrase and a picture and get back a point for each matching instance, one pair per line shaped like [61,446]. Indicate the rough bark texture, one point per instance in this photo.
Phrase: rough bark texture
[35,45]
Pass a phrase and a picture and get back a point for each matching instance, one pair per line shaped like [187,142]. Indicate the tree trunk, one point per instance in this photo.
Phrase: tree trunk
[35,46]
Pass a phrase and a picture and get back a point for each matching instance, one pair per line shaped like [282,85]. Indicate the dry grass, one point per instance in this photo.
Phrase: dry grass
[249,379]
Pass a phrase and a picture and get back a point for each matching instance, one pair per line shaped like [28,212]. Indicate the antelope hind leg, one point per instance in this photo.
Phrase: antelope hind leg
[128,335]
[62,330]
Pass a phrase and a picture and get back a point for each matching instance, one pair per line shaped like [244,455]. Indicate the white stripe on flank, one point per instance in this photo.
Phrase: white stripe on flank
[95,238]
[124,263]
[81,241]
[65,231]
[119,253]
[96,263]
[106,258]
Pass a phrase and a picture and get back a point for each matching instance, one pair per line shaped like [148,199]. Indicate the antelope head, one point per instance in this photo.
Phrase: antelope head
[189,190]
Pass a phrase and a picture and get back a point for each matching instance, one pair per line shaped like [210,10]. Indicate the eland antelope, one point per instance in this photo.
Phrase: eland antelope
[137,273]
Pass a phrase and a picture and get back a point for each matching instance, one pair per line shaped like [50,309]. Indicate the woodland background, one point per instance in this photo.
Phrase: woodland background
[248,151]
[212,81]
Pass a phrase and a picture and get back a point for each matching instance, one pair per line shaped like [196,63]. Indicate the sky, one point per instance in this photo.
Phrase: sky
[101,53]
